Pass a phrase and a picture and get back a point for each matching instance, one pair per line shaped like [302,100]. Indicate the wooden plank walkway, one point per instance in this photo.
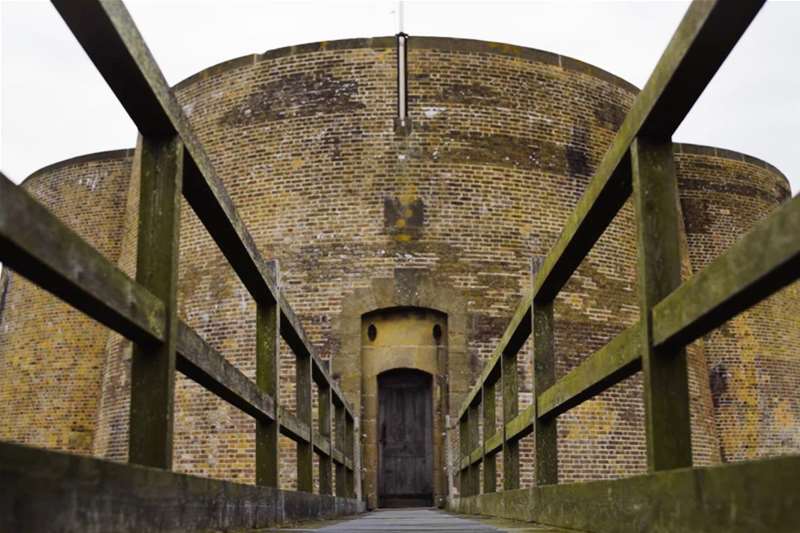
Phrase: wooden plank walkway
[421,521]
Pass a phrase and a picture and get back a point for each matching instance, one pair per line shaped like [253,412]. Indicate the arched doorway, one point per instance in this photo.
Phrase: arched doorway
[404,358]
[405,442]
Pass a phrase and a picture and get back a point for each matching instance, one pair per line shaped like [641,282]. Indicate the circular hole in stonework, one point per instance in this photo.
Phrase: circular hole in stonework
[372,332]
[437,332]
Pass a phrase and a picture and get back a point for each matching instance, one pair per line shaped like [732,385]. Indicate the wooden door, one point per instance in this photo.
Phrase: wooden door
[405,446]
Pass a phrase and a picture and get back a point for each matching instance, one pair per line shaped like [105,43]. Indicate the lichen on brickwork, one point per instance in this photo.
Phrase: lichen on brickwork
[51,355]
[446,217]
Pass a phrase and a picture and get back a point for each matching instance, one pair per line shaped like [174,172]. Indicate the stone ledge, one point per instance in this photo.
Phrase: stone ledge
[44,490]
[417,42]
[117,155]
[746,497]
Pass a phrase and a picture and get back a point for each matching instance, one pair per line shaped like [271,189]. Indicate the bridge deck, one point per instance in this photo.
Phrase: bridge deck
[421,521]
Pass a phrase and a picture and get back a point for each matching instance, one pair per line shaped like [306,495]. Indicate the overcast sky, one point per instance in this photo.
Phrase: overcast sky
[54,104]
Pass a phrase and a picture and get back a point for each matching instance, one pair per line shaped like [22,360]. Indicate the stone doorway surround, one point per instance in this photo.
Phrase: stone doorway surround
[357,371]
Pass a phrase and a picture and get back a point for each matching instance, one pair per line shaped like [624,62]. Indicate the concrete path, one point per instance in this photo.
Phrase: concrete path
[422,521]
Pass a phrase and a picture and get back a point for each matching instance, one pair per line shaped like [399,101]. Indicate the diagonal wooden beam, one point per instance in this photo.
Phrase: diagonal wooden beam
[760,263]
[292,427]
[294,334]
[38,246]
[201,363]
[704,38]
[609,365]
[107,33]
[514,337]
[112,41]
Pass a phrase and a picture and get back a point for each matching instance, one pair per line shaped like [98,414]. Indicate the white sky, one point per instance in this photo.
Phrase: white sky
[54,105]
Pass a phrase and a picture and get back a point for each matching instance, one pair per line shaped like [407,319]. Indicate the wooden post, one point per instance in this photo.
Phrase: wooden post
[153,366]
[474,442]
[666,383]
[305,449]
[448,453]
[267,357]
[357,459]
[545,434]
[341,482]
[267,365]
[349,444]
[489,429]
[544,376]
[510,410]
[463,445]
[325,463]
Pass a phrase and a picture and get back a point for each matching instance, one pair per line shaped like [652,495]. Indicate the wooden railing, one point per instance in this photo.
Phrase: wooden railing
[35,244]
[672,315]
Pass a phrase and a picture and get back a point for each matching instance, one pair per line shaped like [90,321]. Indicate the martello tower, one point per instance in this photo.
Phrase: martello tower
[403,224]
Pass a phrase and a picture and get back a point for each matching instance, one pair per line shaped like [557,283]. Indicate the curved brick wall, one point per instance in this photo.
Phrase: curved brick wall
[503,143]
[51,356]
[753,360]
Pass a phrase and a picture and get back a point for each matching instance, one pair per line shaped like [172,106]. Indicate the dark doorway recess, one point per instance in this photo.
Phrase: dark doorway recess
[405,444]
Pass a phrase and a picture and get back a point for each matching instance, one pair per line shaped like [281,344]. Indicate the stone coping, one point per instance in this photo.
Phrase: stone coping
[724,153]
[77,160]
[417,42]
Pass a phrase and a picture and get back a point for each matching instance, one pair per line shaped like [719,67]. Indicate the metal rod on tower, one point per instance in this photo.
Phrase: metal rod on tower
[402,108]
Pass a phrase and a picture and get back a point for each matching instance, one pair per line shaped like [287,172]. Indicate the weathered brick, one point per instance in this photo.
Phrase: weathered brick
[503,143]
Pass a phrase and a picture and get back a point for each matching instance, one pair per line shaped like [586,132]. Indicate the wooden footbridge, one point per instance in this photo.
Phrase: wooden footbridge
[43,490]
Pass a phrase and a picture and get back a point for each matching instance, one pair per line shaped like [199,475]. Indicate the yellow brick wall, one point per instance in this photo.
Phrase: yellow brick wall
[51,356]
[503,143]
[754,359]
